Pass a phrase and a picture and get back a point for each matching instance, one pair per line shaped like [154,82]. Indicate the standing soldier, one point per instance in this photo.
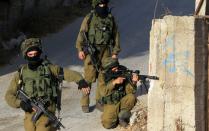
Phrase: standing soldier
[117,94]
[38,79]
[98,39]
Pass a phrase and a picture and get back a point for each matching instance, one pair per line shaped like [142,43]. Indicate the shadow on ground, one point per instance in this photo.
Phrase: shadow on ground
[134,21]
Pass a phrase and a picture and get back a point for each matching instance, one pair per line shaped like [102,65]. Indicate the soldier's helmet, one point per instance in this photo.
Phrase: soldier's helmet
[31,44]
[109,63]
[96,2]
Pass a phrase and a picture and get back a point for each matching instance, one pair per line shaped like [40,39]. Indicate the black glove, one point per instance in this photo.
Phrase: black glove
[26,106]
[82,84]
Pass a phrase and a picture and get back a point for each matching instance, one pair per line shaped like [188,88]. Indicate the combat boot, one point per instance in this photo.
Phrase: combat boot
[100,106]
[124,118]
[123,123]
[85,109]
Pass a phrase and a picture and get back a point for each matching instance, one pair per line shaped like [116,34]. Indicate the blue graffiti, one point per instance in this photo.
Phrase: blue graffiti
[172,69]
[170,61]
[169,40]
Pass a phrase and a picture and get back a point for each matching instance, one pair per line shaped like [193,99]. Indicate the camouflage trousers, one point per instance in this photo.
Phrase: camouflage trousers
[90,73]
[111,111]
[40,124]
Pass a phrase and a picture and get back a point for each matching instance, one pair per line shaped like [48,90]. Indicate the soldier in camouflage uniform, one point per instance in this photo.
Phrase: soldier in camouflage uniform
[102,32]
[37,80]
[117,95]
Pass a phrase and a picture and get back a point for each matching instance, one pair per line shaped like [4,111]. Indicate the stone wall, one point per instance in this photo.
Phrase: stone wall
[178,55]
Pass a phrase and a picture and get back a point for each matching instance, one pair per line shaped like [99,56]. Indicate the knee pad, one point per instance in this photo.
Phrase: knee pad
[110,125]
[124,115]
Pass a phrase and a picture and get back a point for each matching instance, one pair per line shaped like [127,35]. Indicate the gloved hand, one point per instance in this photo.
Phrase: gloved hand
[84,86]
[26,106]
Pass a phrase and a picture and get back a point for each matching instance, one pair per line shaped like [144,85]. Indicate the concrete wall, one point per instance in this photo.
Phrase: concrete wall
[178,48]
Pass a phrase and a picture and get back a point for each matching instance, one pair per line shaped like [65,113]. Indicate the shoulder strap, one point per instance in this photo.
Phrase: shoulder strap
[20,72]
[59,91]
[91,14]
[59,79]
[61,74]
[46,61]
[111,18]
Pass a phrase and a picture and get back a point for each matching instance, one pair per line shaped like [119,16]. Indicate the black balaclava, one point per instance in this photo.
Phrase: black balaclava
[102,11]
[34,62]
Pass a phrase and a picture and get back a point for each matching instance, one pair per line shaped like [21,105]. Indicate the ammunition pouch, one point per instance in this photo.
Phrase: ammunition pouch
[88,50]
[113,98]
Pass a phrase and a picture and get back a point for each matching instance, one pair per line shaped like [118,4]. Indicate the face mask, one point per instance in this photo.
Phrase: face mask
[102,11]
[34,62]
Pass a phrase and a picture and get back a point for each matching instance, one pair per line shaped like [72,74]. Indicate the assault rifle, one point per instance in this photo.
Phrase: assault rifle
[127,74]
[90,49]
[39,106]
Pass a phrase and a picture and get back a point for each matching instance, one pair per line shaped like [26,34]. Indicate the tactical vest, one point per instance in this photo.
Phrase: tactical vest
[118,93]
[100,31]
[39,83]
